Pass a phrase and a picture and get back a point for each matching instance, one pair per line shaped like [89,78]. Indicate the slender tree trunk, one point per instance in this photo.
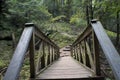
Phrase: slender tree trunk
[68,13]
[91,10]
[87,15]
[117,20]
[54,5]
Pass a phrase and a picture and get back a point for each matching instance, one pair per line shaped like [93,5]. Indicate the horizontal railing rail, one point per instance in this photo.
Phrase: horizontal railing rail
[31,39]
[86,49]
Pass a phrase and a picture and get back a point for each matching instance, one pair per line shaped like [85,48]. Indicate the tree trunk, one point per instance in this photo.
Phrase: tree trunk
[91,10]
[117,37]
[87,15]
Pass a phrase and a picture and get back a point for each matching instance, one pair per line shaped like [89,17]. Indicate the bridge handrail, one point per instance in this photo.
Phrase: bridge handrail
[99,38]
[27,42]
[108,48]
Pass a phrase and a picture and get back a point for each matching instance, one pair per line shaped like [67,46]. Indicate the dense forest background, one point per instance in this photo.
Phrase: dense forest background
[60,20]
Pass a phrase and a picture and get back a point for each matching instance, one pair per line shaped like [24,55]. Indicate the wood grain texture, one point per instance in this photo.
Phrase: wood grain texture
[108,48]
[19,54]
[65,67]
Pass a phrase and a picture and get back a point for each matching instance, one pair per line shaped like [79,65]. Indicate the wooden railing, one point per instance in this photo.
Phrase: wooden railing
[32,39]
[86,49]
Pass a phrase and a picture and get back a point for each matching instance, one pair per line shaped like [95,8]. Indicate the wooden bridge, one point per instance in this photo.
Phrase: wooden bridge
[79,61]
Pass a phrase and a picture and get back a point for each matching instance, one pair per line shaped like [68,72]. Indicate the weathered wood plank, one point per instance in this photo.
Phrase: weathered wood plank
[90,78]
[90,56]
[96,55]
[43,56]
[109,50]
[19,54]
[65,67]
[31,54]
[85,33]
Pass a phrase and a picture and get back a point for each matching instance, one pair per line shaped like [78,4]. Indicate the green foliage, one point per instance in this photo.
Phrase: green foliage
[111,34]
[5,53]
[79,22]
[106,12]
[78,19]
[58,18]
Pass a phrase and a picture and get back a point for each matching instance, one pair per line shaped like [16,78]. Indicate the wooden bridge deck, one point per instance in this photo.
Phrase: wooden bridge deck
[65,67]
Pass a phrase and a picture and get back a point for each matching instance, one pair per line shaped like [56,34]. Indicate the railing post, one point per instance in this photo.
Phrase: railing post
[86,55]
[43,57]
[71,50]
[48,59]
[52,54]
[58,54]
[80,56]
[74,52]
[96,55]
[55,53]
[77,52]
[31,53]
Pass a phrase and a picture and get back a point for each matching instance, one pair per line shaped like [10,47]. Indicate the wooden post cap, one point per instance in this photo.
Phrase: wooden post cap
[29,24]
[94,21]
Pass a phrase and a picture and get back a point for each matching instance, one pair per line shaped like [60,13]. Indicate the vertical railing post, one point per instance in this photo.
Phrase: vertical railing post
[55,56]
[52,54]
[43,56]
[31,54]
[71,51]
[75,53]
[79,53]
[58,53]
[81,59]
[86,55]
[96,55]
[48,58]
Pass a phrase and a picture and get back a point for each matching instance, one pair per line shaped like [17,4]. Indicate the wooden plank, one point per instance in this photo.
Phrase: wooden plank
[96,55]
[42,36]
[43,56]
[86,55]
[81,60]
[77,48]
[50,54]
[79,51]
[65,67]
[38,62]
[85,33]
[83,52]
[90,56]
[90,78]
[109,50]
[74,52]
[48,59]
[19,54]
[31,52]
